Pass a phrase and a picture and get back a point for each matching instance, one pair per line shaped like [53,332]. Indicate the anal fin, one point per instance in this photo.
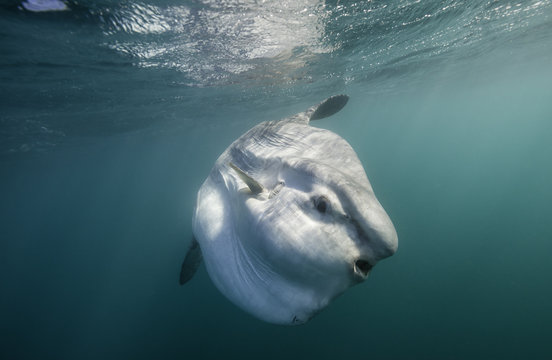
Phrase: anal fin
[191,262]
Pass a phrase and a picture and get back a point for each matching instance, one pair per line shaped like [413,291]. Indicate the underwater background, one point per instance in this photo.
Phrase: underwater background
[112,114]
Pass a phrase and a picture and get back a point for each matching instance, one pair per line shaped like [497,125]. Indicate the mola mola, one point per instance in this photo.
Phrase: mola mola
[287,219]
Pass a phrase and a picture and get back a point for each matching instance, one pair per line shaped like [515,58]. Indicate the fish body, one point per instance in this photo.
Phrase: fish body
[287,219]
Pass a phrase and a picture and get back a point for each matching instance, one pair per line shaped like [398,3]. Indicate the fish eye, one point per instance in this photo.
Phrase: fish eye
[322,204]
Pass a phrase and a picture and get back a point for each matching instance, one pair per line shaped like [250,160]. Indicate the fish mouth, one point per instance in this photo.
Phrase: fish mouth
[362,268]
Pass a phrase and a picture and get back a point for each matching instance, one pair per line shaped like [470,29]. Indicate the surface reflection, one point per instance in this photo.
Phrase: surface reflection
[212,41]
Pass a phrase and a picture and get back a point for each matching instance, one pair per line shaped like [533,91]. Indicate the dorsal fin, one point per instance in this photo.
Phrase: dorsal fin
[253,184]
[328,107]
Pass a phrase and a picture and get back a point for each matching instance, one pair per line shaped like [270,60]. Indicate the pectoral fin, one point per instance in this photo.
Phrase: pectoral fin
[191,262]
[253,184]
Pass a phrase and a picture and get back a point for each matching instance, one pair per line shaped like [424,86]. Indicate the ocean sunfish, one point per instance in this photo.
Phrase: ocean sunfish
[287,220]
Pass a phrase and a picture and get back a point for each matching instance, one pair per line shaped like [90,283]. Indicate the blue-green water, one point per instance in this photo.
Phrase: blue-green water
[112,114]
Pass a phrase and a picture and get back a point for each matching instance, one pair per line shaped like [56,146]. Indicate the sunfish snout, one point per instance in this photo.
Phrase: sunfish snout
[375,243]
[377,238]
